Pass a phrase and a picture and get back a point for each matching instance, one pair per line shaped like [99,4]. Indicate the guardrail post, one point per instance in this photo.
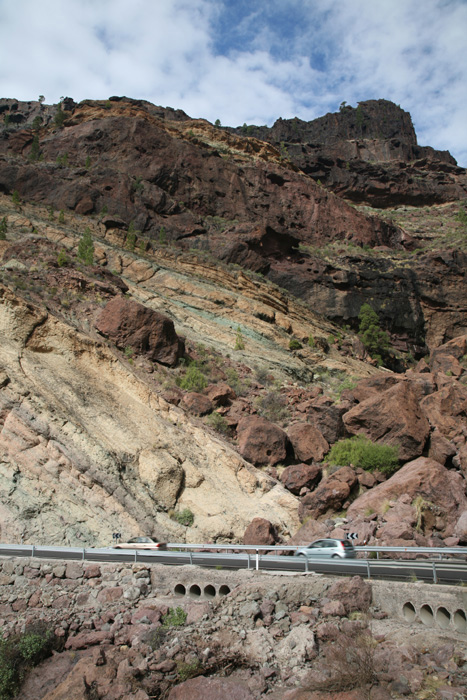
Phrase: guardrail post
[368,568]
[306,564]
[248,555]
[136,552]
[32,550]
[191,557]
[84,553]
[257,559]
[435,576]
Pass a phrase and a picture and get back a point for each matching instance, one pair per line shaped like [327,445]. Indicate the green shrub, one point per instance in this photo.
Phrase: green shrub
[194,379]
[375,340]
[294,344]
[176,617]
[15,198]
[239,342]
[86,247]
[311,342]
[361,452]
[59,116]
[20,653]
[62,259]
[218,423]
[184,517]
[3,228]
[272,406]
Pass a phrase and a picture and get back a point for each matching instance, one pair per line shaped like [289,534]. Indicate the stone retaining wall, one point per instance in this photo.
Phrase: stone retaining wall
[75,594]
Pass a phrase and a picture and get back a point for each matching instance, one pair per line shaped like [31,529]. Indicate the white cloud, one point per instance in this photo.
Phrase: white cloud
[297,58]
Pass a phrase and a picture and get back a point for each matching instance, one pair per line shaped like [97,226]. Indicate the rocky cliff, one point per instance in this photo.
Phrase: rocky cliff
[203,355]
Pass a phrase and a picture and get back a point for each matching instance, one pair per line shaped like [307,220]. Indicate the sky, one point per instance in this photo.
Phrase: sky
[246,61]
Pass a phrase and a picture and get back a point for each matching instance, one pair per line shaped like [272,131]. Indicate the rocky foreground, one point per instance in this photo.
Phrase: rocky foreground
[117,632]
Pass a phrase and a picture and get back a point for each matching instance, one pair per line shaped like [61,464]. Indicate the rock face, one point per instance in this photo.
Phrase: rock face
[126,455]
[393,418]
[369,153]
[132,325]
[331,493]
[438,489]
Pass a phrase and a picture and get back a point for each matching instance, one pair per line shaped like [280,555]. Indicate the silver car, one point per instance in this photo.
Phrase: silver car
[342,549]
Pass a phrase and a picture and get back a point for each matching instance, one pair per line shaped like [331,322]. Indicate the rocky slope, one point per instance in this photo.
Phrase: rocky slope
[205,359]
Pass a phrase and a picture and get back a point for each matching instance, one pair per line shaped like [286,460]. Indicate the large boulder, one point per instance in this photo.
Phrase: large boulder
[446,357]
[331,494]
[260,531]
[260,441]
[436,488]
[354,593]
[392,417]
[308,442]
[446,409]
[131,325]
[299,476]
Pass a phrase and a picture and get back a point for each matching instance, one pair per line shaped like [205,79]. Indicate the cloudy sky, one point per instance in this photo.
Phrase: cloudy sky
[246,60]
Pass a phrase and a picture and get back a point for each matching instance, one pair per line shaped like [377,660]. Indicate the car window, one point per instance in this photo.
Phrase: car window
[314,545]
[347,544]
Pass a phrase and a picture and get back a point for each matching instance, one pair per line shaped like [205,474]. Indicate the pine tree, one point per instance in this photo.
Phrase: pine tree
[373,337]
[86,247]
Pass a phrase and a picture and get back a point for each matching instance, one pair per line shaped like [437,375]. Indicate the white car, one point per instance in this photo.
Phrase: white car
[141,543]
[342,549]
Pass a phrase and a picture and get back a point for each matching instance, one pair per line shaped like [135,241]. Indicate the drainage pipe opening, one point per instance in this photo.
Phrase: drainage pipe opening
[408,612]
[195,591]
[426,615]
[443,618]
[224,590]
[209,591]
[460,621]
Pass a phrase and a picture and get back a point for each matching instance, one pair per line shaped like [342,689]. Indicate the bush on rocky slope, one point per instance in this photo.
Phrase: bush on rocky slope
[362,452]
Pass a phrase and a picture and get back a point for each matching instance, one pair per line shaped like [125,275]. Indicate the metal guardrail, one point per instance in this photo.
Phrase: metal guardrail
[276,549]
[254,557]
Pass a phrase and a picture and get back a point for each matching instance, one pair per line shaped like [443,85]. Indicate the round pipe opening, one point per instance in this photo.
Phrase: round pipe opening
[209,591]
[460,621]
[195,591]
[426,615]
[180,590]
[408,611]
[224,590]
[443,618]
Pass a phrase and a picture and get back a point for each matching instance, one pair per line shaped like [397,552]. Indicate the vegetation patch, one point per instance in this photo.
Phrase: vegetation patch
[365,454]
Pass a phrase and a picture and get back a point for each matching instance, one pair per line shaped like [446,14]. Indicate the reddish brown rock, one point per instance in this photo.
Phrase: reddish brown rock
[354,593]
[147,332]
[446,409]
[198,404]
[299,476]
[330,494]
[260,531]
[260,441]
[92,571]
[108,595]
[220,394]
[210,689]
[83,640]
[442,488]
[308,442]
[446,357]
[323,413]
[393,417]
[441,449]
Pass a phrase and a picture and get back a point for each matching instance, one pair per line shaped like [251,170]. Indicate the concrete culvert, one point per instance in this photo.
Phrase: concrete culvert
[195,591]
[180,590]
[426,615]
[224,590]
[460,621]
[409,613]
[209,591]
[443,618]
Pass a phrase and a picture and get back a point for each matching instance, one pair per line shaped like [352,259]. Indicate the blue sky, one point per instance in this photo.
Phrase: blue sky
[246,60]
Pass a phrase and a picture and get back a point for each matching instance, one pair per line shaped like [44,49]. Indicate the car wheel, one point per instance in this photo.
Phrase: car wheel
[335,556]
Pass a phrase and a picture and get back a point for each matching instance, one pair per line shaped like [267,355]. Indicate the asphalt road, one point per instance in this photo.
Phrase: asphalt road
[445,571]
